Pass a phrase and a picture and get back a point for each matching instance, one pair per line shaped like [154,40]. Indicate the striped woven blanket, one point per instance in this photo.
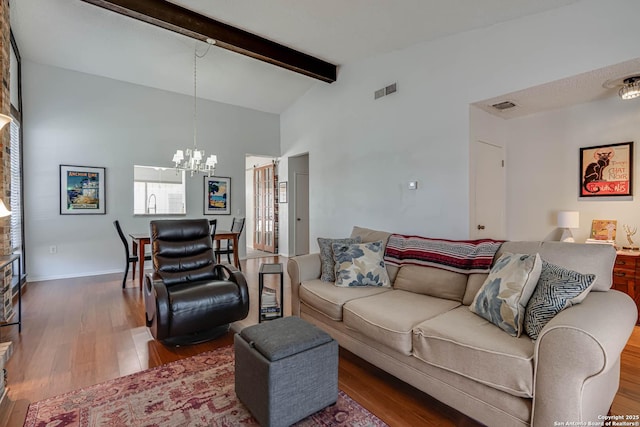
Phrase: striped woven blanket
[461,256]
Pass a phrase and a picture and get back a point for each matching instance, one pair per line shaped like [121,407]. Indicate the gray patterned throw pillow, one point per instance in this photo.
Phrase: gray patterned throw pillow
[326,256]
[558,288]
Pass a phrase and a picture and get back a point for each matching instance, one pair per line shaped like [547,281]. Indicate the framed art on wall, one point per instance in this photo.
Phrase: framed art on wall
[82,190]
[606,170]
[282,192]
[217,191]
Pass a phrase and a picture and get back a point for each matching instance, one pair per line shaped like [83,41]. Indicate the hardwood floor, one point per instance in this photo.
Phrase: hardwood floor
[79,332]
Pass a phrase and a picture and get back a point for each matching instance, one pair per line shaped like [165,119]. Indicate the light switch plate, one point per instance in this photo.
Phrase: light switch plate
[413,185]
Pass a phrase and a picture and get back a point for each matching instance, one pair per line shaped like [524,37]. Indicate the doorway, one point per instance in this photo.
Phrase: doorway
[302,214]
[298,209]
[265,208]
[490,190]
[253,163]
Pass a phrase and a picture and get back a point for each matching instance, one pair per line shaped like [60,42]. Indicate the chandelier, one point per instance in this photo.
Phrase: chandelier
[192,159]
[631,88]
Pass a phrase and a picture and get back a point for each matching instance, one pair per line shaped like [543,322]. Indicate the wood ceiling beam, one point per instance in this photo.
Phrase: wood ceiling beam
[176,18]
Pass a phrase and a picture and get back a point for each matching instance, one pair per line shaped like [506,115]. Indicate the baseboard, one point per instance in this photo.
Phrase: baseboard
[32,278]
[6,406]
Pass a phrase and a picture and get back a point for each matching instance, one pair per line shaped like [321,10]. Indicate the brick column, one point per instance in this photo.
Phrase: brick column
[5,108]
[6,348]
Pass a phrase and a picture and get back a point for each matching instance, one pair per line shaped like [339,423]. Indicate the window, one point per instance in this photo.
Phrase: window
[158,191]
[16,186]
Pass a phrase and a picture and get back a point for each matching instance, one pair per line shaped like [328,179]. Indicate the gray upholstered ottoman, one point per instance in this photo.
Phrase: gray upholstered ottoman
[286,369]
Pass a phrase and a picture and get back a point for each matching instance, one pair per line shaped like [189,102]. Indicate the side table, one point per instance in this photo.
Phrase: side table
[270,269]
[626,275]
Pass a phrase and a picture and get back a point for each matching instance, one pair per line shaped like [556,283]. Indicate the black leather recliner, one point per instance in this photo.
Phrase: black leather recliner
[189,298]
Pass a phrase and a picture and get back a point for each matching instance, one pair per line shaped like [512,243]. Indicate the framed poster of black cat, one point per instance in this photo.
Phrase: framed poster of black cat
[606,170]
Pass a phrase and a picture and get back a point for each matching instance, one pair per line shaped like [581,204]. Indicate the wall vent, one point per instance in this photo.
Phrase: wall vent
[504,105]
[388,90]
[391,89]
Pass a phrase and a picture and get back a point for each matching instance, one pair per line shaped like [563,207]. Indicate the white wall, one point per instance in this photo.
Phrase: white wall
[80,119]
[543,167]
[363,152]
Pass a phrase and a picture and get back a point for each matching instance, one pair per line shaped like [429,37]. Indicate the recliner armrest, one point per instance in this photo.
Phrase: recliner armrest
[156,302]
[236,276]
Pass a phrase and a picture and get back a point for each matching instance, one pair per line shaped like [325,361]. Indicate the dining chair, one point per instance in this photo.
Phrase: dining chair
[128,256]
[213,224]
[226,246]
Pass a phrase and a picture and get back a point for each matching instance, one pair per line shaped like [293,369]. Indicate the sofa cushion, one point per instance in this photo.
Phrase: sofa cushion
[327,261]
[329,299]
[558,288]
[432,281]
[474,283]
[504,296]
[367,235]
[461,342]
[360,264]
[575,256]
[389,318]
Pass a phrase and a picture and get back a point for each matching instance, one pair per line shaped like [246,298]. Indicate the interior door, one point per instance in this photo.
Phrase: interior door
[490,192]
[302,214]
[264,205]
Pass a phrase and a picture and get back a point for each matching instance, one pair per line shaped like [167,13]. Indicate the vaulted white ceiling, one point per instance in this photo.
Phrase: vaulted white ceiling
[78,36]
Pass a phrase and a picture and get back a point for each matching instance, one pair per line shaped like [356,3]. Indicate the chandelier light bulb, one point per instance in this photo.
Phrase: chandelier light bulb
[631,88]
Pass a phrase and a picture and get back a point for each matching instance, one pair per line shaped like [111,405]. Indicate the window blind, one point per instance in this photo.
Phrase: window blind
[16,188]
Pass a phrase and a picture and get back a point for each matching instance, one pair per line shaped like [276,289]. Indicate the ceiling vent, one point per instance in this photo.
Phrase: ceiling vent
[504,105]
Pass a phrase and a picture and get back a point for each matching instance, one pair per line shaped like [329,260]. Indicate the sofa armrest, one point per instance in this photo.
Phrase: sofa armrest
[577,358]
[301,268]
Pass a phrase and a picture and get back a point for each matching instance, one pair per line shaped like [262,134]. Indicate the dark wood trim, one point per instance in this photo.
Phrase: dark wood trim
[16,114]
[16,111]
[176,18]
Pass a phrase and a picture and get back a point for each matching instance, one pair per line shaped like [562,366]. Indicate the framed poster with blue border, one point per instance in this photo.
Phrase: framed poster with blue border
[82,190]
[217,195]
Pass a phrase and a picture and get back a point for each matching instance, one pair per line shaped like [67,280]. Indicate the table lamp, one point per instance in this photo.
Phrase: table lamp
[568,220]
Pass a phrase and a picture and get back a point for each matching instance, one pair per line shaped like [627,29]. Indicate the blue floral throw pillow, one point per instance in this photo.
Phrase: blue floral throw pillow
[360,264]
[327,263]
[558,288]
[503,297]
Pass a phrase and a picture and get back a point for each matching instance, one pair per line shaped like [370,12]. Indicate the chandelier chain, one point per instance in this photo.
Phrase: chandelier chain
[192,160]
[195,95]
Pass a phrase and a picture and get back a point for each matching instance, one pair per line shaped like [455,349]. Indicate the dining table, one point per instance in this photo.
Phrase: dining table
[141,240]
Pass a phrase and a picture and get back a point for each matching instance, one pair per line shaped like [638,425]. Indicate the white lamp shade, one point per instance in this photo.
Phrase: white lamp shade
[212,160]
[568,219]
[178,156]
[4,120]
[3,210]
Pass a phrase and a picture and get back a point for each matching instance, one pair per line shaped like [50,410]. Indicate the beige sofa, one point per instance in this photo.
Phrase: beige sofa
[435,343]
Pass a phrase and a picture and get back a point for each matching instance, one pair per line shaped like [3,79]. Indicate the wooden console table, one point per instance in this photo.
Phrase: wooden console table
[626,275]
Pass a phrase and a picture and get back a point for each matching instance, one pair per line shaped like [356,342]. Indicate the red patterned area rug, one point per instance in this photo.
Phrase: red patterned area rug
[197,391]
